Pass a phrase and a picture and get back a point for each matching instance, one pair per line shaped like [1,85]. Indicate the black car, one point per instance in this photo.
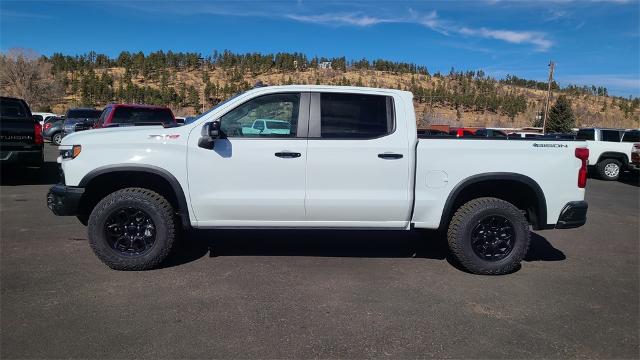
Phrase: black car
[560,136]
[83,117]
[21,140]
[491,133]
[52,130]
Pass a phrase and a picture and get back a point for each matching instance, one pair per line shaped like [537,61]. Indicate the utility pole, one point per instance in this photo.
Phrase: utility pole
[546,106]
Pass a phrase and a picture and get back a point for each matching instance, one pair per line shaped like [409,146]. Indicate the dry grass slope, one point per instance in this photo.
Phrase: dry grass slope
[589,110]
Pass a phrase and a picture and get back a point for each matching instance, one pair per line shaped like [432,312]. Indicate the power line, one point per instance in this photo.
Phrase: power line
[546,107]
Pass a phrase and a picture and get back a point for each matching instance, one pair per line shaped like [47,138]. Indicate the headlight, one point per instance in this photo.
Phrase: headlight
[71,153]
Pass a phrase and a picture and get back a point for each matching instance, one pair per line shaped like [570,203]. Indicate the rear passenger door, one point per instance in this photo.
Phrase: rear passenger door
[358,162]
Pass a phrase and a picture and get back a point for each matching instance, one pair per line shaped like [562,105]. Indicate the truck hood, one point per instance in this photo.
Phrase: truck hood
[125,134]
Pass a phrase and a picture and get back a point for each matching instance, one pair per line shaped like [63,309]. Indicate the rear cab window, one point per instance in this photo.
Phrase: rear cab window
[586,134]
[631,136]
[355,116]
[610,135]
[14,108]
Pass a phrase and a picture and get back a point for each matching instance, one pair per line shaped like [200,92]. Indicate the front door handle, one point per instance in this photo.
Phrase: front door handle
[288,154]
[390,156]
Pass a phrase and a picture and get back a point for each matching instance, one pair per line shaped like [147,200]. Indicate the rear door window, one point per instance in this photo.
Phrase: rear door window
[355,116]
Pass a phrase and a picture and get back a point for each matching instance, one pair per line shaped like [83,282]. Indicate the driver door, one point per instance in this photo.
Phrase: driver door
[253,177]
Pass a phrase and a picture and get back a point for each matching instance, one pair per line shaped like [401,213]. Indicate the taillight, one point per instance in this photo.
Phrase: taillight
[460,133]
[37,134]
[47,126]
[583,155]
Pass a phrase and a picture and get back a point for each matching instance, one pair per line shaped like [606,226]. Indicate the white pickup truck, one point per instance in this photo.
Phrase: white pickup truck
[611,150]
[351,158]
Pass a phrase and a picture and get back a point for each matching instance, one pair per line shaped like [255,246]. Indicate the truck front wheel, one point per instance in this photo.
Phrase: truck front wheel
[488,236]
[132,229]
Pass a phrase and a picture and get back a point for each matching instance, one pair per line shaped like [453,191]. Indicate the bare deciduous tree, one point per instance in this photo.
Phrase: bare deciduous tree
[24,75]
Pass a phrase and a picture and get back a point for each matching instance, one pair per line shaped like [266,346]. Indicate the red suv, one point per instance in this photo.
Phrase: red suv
[133,114]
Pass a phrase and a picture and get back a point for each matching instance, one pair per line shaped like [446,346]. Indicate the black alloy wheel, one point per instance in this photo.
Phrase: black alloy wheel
[130,231]
[493,238]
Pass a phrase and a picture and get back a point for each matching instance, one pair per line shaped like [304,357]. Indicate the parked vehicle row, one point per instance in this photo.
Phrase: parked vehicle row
[53,130]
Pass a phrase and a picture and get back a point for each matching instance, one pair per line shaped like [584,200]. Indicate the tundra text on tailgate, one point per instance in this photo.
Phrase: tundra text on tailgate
[316,157]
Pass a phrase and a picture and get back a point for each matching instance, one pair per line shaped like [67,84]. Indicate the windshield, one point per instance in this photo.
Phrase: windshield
[84,114]
[213,108]
[133,115]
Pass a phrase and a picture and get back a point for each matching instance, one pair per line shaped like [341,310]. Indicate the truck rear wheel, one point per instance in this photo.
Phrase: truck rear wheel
[489,236]
[132,229]
[609,169]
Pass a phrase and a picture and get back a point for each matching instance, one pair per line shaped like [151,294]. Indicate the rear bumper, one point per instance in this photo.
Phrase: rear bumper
[573,215]
[22,157]
[64,200]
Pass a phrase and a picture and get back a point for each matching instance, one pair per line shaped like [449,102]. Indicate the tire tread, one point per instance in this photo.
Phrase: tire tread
[153,199]
[456,227]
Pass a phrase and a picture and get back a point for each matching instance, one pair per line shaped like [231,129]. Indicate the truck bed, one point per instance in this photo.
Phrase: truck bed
[542,161]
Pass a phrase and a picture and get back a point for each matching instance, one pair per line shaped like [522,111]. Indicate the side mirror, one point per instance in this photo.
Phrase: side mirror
[210,132]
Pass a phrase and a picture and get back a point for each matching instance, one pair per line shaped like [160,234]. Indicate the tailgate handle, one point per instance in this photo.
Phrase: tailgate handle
[390,156]
[287,154]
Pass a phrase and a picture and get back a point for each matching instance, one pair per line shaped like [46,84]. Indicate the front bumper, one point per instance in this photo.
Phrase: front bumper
[64,200]
[22,157]
[573,215]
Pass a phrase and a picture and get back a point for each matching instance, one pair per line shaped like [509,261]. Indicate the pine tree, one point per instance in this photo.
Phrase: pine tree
[561,118]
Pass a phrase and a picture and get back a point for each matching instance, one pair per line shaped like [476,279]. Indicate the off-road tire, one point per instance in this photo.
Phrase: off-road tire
[602,169]
[158,209]
[459,236]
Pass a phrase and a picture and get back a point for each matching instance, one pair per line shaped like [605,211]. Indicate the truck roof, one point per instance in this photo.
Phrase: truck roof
[328,88]
[139,106]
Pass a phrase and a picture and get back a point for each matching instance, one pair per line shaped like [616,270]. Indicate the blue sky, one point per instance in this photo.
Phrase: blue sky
[592,42]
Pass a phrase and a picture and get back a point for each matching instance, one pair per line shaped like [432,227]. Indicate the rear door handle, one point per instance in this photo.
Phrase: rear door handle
[288,154]
[390,156]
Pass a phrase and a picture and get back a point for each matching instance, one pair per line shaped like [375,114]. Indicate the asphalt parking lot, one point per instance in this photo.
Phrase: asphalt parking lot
[317,294]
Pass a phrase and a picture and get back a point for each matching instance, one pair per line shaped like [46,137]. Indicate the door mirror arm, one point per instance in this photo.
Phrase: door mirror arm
[210,132]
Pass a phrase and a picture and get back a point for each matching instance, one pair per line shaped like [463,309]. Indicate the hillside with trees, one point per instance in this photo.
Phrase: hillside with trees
[190,83]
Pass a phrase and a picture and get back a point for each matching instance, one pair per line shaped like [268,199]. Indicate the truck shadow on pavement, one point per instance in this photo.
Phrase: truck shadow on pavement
[331,243]
[630,178]
[48,174]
